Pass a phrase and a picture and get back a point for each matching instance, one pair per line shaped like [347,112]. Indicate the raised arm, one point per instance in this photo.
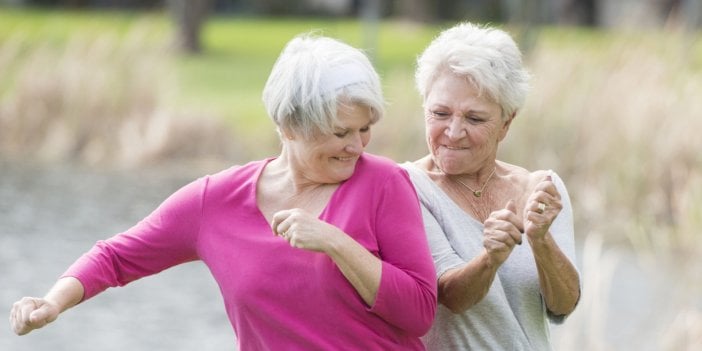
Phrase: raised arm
[462,287]
[31,313]
[558,277]
[399,283]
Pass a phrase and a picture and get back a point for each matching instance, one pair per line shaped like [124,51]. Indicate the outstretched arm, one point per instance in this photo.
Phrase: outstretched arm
[31,313]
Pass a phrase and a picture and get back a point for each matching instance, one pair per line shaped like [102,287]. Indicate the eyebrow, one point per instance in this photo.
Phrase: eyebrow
[340,128]
[471,111]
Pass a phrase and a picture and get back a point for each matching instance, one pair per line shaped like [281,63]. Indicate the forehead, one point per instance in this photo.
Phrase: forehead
[352,115]
[454,91]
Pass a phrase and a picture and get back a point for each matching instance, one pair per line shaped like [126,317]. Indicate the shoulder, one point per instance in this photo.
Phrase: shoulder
[234,175]
[525,181]
[370,165]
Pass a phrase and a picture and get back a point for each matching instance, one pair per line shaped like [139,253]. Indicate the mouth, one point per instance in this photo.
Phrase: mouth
[345,159]
[454,147]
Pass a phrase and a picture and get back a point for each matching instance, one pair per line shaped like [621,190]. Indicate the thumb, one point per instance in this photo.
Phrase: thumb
[511,206]
[42,315]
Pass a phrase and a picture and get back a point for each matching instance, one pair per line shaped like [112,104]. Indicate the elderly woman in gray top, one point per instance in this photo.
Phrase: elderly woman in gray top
[501,236]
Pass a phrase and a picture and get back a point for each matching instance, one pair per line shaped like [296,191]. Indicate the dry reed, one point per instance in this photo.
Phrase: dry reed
[101,100]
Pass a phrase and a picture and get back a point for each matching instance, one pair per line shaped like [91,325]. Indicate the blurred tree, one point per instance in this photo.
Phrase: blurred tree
[416,10]
[576,12]
[683,13]
[370,12]
[189,16]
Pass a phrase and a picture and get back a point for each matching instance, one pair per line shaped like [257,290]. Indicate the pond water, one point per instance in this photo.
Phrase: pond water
[51,215]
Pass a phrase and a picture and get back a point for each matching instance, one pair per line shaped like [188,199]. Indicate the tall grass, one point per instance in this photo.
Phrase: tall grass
[620,120]
[98,98]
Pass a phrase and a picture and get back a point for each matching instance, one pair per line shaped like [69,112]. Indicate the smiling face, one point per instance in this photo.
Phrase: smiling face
[331,158]
[463,128]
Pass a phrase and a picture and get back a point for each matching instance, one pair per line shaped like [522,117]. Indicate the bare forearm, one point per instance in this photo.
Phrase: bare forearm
[560,284]
[461,288]
[66,293]
[359,266]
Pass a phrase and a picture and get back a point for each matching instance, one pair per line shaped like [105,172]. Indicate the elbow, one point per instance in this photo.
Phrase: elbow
[564,307]
[456,307]
[561,312]
[457,300]
[422,326]
[425,318]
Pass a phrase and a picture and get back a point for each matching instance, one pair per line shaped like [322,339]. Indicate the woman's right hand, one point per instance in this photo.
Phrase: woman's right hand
[31,313]
[502,230]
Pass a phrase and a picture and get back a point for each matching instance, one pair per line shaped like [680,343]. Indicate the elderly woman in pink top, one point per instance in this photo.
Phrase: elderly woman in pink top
[321,247]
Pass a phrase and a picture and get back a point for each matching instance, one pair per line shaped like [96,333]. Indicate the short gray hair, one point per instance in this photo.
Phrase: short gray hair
[487,57]
[312,78]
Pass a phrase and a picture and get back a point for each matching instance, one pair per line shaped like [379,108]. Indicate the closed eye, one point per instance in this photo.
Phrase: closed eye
[439,114]
[475,119]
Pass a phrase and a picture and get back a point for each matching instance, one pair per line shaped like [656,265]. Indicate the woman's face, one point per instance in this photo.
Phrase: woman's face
[463,129]
[331,158]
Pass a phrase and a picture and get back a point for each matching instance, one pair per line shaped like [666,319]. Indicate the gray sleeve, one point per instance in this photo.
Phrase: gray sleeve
[444,256]
[562,227]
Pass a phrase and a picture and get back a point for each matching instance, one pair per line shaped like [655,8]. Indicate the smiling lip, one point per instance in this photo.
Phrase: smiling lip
[455,147]
[345,159]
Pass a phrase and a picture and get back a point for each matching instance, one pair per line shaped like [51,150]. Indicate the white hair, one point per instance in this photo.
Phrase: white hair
[487,57]
[312,78]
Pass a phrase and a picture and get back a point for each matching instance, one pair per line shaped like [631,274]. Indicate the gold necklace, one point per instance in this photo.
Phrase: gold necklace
[478,193]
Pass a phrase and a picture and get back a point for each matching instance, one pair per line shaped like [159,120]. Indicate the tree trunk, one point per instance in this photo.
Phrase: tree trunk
[188,15]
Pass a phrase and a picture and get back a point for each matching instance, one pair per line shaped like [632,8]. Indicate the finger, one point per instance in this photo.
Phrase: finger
[14,318]
[26,306]
[508,215]
[504,232]
[20,318]
[549,187]
[278,218]
[41,316]
[511,206]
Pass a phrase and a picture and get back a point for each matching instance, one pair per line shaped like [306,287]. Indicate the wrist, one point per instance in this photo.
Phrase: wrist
[488,261]
[541,241]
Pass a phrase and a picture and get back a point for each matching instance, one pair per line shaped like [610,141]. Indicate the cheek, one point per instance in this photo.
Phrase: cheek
[365,138]
[433,132]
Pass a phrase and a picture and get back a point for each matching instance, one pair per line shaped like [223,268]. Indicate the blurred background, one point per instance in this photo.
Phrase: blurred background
[108,106]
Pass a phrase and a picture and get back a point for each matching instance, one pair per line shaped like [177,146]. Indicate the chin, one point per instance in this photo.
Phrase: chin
[448,165]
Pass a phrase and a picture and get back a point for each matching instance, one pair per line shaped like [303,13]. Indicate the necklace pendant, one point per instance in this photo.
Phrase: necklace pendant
[478,193]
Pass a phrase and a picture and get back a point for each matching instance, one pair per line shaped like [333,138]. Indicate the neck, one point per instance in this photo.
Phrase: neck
[286,177]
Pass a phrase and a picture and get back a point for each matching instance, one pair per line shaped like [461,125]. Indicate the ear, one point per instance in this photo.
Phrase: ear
[285,133]
[506,124]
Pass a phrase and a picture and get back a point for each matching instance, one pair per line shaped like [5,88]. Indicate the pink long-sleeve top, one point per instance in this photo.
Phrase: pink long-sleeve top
[278,297]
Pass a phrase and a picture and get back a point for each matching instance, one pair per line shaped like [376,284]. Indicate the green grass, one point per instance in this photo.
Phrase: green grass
[240,52]
[58,27]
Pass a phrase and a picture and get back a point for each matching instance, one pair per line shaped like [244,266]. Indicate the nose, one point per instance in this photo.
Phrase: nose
[455,129]
[355,144]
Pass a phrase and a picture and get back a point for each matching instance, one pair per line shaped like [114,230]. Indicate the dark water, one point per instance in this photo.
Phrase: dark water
[49,216]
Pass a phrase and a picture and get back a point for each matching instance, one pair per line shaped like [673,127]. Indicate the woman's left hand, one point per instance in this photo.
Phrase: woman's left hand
[303,230]
[542,207]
